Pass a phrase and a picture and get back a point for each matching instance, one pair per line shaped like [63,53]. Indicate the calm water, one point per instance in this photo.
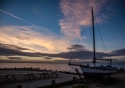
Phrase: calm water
[48,66]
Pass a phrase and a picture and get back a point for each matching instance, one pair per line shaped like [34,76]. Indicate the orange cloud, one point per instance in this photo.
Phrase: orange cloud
[26,36]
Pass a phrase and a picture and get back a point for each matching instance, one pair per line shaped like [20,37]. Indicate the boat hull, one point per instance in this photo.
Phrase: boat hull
[93,72]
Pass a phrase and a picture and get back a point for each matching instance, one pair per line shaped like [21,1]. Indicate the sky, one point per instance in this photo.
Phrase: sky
[59,30]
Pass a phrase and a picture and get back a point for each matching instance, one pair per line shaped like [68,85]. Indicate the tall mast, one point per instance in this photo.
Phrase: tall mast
[93,31]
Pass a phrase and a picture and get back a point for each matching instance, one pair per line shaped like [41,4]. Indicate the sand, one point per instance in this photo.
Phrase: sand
[120,84]
[35,83]
[62,78]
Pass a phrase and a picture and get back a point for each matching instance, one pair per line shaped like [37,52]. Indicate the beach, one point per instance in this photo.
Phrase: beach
[118,79]
[33,83]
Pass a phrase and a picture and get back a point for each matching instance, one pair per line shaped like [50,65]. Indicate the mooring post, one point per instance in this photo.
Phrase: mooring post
[38,68]
[74,78]
[19,86]
[53,82]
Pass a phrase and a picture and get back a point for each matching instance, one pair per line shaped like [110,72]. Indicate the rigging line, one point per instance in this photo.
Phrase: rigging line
[89,39]
[75,48]
[101,38]
[89,42]
[71,67]
[79,40]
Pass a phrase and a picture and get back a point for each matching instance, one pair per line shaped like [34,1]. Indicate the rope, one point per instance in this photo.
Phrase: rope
[89,44]
[101,38]
[78,41]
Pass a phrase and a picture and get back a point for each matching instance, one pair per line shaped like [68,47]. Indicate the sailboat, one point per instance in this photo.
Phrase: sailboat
[95,71]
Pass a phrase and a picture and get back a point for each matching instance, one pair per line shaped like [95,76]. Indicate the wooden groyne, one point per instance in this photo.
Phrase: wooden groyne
[64,78]
[27,69]
[36,76]
[37,69]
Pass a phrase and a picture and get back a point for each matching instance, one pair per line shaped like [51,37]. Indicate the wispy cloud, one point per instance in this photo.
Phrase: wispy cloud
[8,46]
[16,58]
[16,17]
[77,13]
[33,38]
[5,51]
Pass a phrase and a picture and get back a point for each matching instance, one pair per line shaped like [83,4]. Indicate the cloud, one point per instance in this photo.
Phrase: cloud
[8,51]
[77,13]
[79,54]
[12,47]
[45,57]
[16,58]
[76,55]
[34,38]
[85,54]
[120,52]
[16,17]
[77,47]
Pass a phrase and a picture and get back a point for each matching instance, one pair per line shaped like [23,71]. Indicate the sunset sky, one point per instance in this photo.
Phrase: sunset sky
[49,30]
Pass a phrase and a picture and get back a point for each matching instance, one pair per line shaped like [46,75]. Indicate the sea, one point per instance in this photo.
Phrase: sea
[47,66]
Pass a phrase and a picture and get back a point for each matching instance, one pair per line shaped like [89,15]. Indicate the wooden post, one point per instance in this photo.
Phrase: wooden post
[74,78]
[78,72]
[19,86]
[53,82]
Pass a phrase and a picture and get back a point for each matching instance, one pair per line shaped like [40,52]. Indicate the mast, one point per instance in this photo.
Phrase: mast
[94,59]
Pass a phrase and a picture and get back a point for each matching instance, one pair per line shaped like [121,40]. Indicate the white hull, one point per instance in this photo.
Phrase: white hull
[89,72]
[92,70]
